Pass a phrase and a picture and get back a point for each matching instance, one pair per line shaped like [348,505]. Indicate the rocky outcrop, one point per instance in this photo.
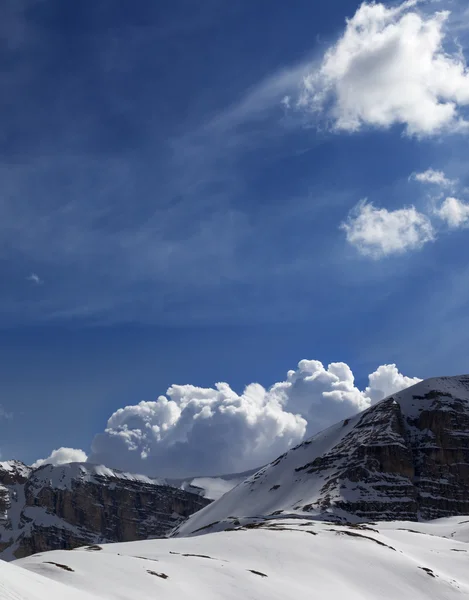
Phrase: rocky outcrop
[5,504]
[405,458]
[371,463]
[421,469]
[78,504]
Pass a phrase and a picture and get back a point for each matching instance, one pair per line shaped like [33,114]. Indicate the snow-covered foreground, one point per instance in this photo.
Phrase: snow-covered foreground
[259,560]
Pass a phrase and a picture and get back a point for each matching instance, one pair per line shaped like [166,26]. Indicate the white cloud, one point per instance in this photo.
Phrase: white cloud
[378,232]
[434,177]
[62,456]
[387,380]
[391,66]
[194,430]
[323,396]
[34,278]
[454,212]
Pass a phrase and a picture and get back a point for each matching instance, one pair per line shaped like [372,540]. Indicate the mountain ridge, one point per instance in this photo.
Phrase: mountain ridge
[406,458]
[52,507]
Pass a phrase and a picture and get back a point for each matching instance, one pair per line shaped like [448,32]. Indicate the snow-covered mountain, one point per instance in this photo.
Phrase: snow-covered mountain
[274,560]
[406,457]
[297,524]
[76,504]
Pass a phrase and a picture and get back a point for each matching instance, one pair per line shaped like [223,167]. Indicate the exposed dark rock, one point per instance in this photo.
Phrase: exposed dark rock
[403,459]
[76,505]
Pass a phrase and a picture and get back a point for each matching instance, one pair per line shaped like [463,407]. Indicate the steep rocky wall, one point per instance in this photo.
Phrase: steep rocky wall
[48,514]
[4,504]
[398,466]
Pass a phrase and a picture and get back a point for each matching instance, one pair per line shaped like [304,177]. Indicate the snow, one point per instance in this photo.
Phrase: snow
[63,476]
[17,584]
[14,518]
[275,487]
[274,560]
[259,541]
[15,466]
[210,487]
[286,486]
[412,399]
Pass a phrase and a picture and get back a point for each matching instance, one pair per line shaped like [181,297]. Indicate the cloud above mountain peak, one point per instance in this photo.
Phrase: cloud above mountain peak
[211,431]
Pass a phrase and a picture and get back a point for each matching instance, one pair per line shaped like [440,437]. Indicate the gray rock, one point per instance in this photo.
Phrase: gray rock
[79,504]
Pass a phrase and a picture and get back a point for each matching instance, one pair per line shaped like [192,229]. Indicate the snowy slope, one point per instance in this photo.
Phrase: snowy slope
[276,487]
[271,560]
[210,487]
[296,484]
[65,476]
[17,584]
[15,469]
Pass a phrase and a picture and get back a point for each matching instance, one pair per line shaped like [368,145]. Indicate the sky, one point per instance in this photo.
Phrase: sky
[225,226]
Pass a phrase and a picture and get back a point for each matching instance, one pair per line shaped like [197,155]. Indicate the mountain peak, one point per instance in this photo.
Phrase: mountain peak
[406,458]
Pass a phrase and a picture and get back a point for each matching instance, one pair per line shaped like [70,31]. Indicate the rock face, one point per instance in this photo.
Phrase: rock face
[78,504]
[5,504]
[405,458]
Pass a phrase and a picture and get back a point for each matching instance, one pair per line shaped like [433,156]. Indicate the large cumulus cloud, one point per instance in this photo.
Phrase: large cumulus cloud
[393,65]
[193,430]
[196,430]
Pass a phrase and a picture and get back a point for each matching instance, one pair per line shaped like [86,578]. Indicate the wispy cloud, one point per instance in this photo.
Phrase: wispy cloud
[433,177]
[209,152]
[123,224]
[116,219]
[34,278]
[5,414]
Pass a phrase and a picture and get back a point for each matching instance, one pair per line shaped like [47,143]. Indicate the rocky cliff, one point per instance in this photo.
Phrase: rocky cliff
[405,458]
[78,504]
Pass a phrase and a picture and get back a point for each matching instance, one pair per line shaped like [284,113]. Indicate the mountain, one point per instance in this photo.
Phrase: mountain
[405,458]
[276,560]
[294,526]
[211,487]
[77,504]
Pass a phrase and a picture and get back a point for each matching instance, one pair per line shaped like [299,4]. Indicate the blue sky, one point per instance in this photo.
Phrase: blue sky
[181,186]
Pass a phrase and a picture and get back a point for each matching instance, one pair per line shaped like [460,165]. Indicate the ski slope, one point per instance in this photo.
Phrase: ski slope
[259,560]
